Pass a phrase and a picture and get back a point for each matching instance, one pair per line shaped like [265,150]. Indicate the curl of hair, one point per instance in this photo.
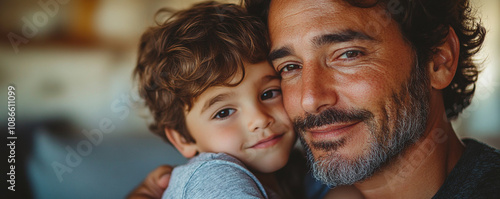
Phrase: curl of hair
[192,50]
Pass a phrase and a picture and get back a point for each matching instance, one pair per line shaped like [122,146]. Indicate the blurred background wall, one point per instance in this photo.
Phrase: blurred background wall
[71,65]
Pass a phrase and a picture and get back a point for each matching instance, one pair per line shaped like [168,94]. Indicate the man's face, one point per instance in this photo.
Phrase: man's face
[350,84]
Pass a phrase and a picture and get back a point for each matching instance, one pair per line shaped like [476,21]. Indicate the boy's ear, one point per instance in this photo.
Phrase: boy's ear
[187,149]
[443,64]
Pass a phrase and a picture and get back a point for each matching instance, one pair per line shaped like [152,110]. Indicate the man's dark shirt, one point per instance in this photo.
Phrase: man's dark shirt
[476,174]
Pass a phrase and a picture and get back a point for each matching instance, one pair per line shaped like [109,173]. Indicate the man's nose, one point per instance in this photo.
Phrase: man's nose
[259,119]
[318,92]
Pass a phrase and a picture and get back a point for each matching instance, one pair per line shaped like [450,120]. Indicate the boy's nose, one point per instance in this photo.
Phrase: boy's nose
[259,120]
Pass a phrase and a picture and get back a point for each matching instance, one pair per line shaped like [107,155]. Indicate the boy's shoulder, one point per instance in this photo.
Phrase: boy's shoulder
[207,161]
[217,174]
[213,158]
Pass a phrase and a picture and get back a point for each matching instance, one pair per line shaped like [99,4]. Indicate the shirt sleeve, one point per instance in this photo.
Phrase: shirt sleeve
[223,180]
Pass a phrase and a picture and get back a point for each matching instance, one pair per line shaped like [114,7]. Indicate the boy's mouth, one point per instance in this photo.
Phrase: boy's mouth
[268,142]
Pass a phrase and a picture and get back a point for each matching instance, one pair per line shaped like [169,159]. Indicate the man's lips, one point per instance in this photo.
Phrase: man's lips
[331,131]
[268,142]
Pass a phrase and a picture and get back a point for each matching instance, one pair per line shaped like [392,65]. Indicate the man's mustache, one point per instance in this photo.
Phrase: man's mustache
[329,116]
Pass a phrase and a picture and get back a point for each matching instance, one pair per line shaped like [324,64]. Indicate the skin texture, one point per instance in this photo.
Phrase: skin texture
[247,121]
[362,73]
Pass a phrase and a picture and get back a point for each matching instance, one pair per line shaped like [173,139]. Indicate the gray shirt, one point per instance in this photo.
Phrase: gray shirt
[211,175]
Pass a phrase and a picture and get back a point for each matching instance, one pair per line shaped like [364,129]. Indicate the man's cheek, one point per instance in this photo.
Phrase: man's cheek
[291,101]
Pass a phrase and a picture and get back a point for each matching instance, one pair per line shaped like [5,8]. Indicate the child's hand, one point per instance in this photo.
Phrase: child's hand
[153,185]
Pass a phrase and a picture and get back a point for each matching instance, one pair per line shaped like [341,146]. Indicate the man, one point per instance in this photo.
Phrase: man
[371,86]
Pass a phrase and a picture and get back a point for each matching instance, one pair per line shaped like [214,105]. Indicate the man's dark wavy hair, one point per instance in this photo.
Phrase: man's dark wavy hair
[425,24]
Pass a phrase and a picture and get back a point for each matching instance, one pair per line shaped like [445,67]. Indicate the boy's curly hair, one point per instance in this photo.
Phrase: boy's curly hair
[192,50]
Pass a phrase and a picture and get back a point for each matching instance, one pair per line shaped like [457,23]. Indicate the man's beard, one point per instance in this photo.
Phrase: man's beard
[410,107]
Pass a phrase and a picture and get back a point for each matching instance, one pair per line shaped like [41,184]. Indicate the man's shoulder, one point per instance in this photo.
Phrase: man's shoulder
[480,156]
[484,164]
[476,174]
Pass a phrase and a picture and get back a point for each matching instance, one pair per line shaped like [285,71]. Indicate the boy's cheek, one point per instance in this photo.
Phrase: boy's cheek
[281,115]
[226,141]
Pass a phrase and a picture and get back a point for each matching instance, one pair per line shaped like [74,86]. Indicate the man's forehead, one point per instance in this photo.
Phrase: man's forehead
[301,14]
[312,19]
[292,7]
[283,9]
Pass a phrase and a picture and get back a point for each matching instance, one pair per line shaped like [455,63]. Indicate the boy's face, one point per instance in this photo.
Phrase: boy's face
[247,121]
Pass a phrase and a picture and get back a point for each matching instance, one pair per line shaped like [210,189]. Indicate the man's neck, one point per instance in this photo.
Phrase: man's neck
[421,170]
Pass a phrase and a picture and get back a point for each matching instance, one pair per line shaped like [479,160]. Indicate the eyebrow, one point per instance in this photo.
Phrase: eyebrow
[331,38]
[217,98]
[343,36]
[269,78]
[279,53]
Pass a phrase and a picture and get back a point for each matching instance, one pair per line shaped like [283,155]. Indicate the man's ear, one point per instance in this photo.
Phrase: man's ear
[187,149]
[443,64]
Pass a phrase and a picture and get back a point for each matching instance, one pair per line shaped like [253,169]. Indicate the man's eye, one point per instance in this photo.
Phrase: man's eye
[350,54]
[270,94]
[224,113]
[290,67]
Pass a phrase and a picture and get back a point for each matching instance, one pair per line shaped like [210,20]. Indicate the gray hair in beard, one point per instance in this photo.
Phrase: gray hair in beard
[411,117]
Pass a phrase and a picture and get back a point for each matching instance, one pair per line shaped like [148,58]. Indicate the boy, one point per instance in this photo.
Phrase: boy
[204,76]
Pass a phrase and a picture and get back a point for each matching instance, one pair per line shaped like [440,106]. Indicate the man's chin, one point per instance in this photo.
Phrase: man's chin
[335,169]
[352,146]
[345,165]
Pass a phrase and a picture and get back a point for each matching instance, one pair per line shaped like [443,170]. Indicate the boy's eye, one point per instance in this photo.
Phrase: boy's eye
[270,94]
[224,113]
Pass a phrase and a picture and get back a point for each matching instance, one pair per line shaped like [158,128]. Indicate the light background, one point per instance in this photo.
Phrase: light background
[75,72]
